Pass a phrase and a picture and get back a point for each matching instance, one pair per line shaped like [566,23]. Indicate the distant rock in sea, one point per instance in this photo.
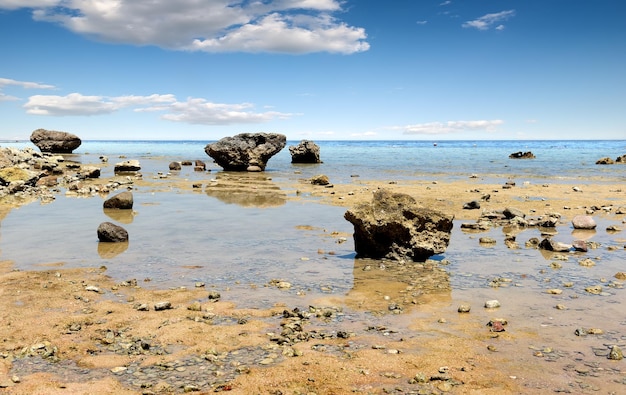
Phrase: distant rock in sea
[246,151]
[305,152]
[522,155]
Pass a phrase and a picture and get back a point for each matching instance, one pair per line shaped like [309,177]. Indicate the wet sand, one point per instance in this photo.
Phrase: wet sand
[75,331]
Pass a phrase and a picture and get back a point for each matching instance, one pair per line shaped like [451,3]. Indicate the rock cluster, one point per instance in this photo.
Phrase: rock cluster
[609,161]
[395,226]
[55,141]
[246,151]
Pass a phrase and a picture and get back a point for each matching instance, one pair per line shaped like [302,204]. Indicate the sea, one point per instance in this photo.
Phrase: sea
[180,238]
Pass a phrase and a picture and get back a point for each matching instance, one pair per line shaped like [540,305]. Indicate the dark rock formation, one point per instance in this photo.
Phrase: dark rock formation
[473,205]
[605,161]
[109,232]
[122,201]
[394,226]
[128,166]
[621,159]
[54,141]
[199,166]
[522,155]
[305,152]
[175,166]
[246,151]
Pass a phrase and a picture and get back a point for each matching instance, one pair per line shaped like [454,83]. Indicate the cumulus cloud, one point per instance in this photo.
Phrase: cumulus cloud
[283,26]
[487,21]
[435,128]
[193,110]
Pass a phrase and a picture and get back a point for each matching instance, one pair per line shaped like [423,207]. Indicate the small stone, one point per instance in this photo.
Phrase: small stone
[594,289]
[492,304]
[162,306]
[214,295]
[119,369]
[616,353]
[560,307]
[464,308]
[555,291]
[620,275]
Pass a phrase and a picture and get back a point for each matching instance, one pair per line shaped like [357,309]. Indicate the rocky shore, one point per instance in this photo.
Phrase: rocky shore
[400,330]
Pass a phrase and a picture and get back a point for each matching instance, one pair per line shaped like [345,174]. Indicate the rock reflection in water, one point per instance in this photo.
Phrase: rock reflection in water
[246,189]
[385,286]
[111,250]
[123,216]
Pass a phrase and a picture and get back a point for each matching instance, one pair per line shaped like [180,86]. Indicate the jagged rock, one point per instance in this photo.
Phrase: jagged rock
[55,141]
[551,245]
[109,232]
[246,151]
[583,222]
[522,155]
[199,166]
[394,226]
[621,159]
[10,175]
[89,172]
[122,201]
[320,179]
[305,152]
[511,213]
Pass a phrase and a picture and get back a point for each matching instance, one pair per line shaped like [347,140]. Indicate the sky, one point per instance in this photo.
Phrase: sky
[314,69]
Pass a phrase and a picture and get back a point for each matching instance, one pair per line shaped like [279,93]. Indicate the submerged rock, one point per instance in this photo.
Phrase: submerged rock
[583,222]
[394,226]
[122,201]
[522,155]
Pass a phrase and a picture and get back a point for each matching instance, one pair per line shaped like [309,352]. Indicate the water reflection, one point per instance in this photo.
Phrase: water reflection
[246,189]
[583,234]
[111,250]
[123,216]
[386,286]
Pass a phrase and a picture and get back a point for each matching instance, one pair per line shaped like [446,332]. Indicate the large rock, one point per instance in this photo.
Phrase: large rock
[305,152]
[128,166]
[121,201]
[394,226]
[109,232]
[246,151]
[54,141]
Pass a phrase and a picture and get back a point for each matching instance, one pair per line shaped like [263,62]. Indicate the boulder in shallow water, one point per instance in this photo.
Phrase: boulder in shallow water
[122,201]
[127,166]
[394,226]
[246,151]
[305,152]
[55,141]
[583,222]
[109,232]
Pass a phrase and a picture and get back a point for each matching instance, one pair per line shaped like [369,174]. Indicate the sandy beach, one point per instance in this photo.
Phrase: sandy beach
[78,331]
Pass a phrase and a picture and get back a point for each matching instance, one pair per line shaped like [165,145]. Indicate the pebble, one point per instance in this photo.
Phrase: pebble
[555,291]
[616,353]
[162,306]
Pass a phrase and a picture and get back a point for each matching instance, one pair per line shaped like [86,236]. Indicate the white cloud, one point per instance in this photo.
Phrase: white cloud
[485,22]
[421,22]
[200,111]
[286,26]
[451,127]
[193,111]
[23,84]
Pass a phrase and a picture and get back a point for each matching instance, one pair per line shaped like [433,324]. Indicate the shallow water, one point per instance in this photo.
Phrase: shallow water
[240,240]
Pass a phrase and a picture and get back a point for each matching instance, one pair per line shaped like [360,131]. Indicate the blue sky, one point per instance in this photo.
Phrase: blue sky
[314,69]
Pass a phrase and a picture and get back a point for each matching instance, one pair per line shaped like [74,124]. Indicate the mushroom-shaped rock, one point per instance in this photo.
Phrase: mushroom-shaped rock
[305,152]
[109,232]
[122,201]
[55,141]
[395,226]
[246,151]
